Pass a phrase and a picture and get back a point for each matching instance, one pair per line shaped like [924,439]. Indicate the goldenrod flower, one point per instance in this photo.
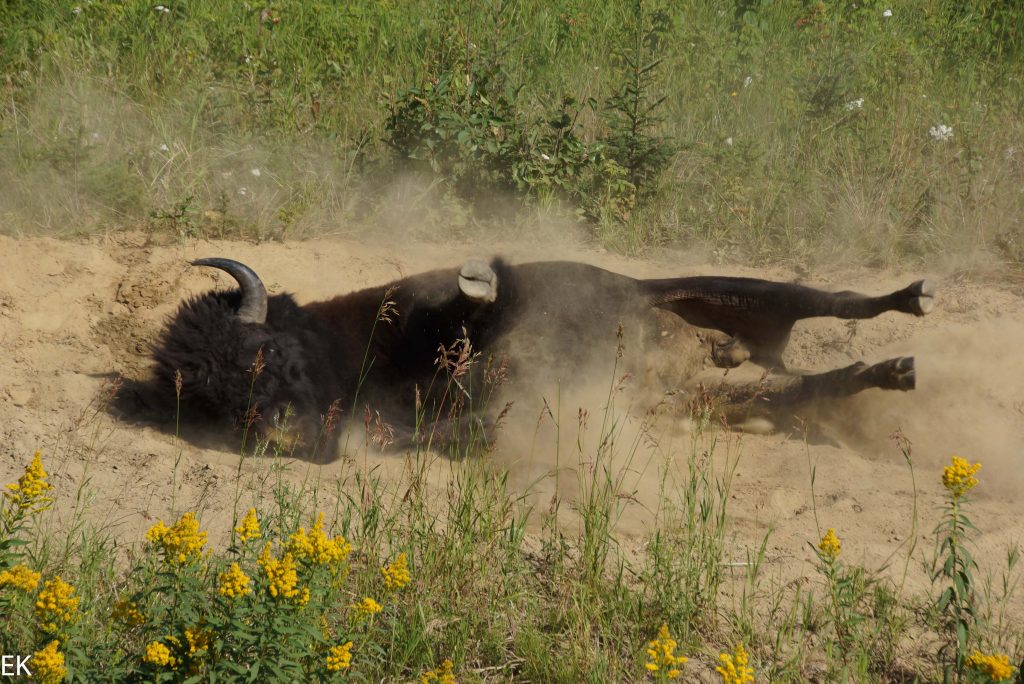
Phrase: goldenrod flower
[734,668]
[159,654]
[27,494]
[182,542]
[396,574]
[339,657]
[198,641]
[127,612]
[996,666]
[662,654]
[56,605]
[234,583]
[47,664]
[20,577]
[315,547]
[281,574]
[249,527]
[958,477]
[442,675]
[829,545]
[365,609]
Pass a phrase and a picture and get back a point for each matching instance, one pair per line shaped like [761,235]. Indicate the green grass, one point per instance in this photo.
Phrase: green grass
[122,114]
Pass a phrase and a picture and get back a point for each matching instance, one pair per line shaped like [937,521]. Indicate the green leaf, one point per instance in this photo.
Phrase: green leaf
[961,635]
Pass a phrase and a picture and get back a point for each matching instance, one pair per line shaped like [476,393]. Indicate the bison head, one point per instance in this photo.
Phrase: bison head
[245,357]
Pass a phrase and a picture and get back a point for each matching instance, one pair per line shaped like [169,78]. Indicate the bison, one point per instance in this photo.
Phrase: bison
[245,358]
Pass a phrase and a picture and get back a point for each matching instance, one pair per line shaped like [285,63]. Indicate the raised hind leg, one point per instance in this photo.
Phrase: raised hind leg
[760,314]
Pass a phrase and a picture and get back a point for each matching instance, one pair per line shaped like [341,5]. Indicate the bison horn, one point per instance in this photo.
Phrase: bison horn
[253,308]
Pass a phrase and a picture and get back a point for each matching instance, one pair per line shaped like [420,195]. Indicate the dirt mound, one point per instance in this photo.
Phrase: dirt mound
[74,314]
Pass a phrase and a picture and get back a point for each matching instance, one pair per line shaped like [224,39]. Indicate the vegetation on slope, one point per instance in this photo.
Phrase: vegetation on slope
[760,129]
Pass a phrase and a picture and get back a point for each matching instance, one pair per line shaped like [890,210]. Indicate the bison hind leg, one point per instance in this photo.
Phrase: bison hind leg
[478,282]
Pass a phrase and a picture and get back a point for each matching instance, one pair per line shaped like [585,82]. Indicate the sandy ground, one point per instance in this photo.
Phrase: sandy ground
[72,313]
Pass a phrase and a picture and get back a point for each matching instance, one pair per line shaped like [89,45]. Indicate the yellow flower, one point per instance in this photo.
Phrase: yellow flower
[958,477]
[365,609]
[442,675]
[829,545]
[27,493]
[182,542]
[158,654]
[249,527]
[315,547]
[47,664]
[662,654]
[281,574]
[198,641]
[56,605]
[734,668]
[234,583]
[20,577]
[127,612]
[340,657]
[996,666]
[396,574]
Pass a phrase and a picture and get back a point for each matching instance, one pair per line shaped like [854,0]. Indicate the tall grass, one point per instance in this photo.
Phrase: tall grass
[797,131]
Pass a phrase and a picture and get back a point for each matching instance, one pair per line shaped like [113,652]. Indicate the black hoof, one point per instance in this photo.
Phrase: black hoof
[922,297]
[478,282]
[897,374]
[904,373]
[893,374]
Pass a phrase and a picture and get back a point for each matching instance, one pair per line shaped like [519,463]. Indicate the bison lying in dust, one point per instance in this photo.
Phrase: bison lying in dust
[244,357]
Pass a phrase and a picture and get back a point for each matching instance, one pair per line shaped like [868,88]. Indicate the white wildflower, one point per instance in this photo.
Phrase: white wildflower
[747,81]
[942,132]
[545,157]
[854,104]
[161,8]
[243,191]
[887,13]
[255,172]
[164,147]
[728,141]
[76,10]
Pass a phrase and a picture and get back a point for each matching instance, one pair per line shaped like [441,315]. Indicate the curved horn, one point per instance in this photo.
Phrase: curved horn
[253,308]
